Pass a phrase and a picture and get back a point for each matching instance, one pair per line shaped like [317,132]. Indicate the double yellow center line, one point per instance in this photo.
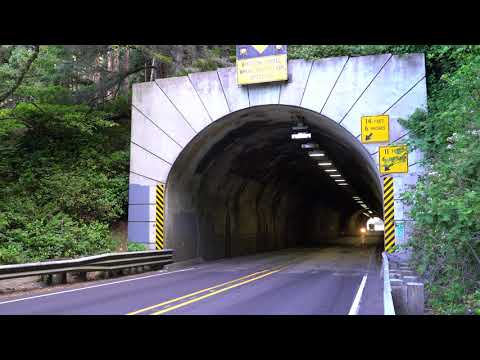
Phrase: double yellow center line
[176,303]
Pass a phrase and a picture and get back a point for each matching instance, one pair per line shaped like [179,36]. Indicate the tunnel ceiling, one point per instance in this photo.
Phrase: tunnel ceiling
[258,143]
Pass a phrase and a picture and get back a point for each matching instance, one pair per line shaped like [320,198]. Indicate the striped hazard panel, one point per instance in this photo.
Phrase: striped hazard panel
[160,217]
[389,214]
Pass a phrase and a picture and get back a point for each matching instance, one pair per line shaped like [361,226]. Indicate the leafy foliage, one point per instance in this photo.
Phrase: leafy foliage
[446,201]
[132,246]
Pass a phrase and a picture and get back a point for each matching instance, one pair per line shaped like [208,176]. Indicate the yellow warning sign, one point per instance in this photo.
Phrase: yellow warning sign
[261,63]
[260,48]
[375,129]
[393,159]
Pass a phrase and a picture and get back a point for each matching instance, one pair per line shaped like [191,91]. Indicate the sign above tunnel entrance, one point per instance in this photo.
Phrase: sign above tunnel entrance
[375,129]
[261,63]
[393,159]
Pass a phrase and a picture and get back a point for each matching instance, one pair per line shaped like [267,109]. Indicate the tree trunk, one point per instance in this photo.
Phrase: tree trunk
[153,72]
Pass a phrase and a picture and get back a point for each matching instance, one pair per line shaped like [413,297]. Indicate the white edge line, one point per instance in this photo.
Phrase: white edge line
[356,301]
[92,287]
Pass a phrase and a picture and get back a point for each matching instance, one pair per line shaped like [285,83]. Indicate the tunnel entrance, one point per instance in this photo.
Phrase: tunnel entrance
[242,185]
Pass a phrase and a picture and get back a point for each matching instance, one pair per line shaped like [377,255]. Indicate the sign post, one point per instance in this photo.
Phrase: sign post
[261,63]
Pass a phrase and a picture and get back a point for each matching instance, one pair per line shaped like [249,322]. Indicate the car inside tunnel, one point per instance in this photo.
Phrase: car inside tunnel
[245,184]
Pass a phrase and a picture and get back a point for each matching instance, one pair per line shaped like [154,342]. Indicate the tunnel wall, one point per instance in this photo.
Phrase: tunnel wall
[168,113]
[216,212]
[323,224]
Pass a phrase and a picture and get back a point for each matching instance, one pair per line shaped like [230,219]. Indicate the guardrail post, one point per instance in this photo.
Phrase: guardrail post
[46,278]
[399,295]
[93,275]
[59,278]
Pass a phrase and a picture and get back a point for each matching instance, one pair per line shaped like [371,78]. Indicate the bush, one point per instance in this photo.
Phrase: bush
[64,181]
[446,200]
[133,246]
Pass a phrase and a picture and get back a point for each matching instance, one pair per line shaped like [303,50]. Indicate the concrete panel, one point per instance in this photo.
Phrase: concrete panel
[406,106]
[141,232]
[264,94]
[152,102]
[208,87]
[183,95]
[414,157]
[237,96]
[354,79]
[150,137]
[291,93]
[144,163]
[398,206]
[140,194]
[417,168]
[395,79]
[141,212]
[375,159]
[372,148]
[403,183]
[323,75]
[141,181]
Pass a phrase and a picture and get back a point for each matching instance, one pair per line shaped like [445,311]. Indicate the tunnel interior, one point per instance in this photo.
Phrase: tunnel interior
[243,185]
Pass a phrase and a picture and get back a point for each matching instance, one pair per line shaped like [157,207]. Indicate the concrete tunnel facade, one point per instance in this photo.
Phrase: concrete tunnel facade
[237,183]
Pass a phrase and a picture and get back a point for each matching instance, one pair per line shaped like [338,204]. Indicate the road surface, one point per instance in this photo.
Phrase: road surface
[311,281]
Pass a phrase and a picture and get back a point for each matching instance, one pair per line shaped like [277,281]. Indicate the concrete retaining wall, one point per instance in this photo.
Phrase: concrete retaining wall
[168,113]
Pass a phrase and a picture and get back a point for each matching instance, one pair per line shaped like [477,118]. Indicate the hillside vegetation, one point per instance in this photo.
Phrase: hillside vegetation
[64,151]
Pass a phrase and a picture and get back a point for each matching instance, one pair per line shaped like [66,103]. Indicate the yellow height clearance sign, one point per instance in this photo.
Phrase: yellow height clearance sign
[375,129]
[393,159]
[261,63]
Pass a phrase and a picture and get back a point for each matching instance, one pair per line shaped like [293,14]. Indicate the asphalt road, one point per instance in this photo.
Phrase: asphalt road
[330,280]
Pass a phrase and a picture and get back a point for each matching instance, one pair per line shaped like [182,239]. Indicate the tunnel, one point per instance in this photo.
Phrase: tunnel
[243,185]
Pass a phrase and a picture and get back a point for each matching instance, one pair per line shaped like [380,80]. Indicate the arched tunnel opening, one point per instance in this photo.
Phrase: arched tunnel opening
[243,185]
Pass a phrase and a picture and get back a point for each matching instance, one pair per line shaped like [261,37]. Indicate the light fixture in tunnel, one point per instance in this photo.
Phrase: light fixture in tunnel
[300,127]
[325,164]
[331,170]
[340,180]
[342,184]
[335,175]
[309,145]
[366,215]
[316,153]
[303,135]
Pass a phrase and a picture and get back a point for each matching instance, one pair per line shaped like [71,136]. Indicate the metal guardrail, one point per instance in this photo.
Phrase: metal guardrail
[388,308]
[112,261]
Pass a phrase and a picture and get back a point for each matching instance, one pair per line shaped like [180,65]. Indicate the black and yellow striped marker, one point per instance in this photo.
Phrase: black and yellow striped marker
[160,217]
[389,214]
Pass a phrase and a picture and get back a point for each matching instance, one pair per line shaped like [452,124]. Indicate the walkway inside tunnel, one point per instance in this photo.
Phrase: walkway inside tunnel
[267,178]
